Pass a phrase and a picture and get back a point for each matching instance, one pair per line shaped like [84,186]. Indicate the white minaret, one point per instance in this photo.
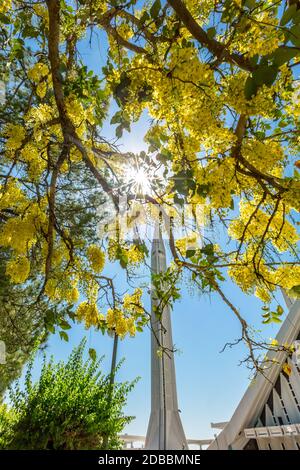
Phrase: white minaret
[165,431]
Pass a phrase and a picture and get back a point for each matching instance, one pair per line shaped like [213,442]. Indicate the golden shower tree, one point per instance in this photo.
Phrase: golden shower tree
[218,81]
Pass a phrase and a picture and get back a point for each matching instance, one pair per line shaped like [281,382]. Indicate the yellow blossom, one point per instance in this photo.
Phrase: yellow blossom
[38,71]
[89,313]
[5,6]
[96,258]
[132,303]
[287,368]
[15,135]
[18,269]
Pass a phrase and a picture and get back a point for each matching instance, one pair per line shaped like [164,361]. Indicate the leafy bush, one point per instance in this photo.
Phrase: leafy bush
[6,425]
[71,406]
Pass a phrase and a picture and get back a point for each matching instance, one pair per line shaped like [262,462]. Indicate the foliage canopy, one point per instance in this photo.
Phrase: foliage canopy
[219,80]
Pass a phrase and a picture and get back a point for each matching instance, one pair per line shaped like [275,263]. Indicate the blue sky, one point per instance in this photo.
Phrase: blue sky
[210,384]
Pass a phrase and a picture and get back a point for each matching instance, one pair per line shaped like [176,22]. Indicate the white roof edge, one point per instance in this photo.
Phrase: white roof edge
[257,392]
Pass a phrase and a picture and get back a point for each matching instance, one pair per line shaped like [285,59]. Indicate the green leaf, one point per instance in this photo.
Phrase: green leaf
[92,354]
[119,131]
[250,89]
[154,10]
[295,35]
[178,200]
[50,328]
[117,117]
[121,90]
[64,336]
[295,292]
[279,310]
[203,189]
[211,32]
[208,249]
[4,19]
[164,156]
[190,253]
[123,262]
[30,32]
[250,4]
[288,15]
[145,16]
[296,17]
[265,75]
[276,320]
[284,54]
[64,325]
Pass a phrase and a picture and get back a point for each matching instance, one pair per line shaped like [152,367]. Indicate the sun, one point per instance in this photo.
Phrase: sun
[138,179]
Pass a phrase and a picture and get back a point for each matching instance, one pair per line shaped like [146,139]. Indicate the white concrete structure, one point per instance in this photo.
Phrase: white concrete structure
[268,416]
[165,430]
[132,441]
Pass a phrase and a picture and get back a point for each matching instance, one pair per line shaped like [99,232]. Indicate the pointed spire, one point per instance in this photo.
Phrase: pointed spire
[165,430]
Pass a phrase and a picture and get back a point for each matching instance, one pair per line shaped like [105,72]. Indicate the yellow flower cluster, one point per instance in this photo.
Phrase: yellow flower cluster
[38,71]
[123,321]
[131,253]
[5,6]
[292,197]
[287,276]
[64,289]
[72,296]
[15,135]
[42,12]
[233,94]
[19,233]
[41,89]
[257,35]
[18,269]
[89,313]
[293,104]
[287,368]
[11,196]
[96,258]
[187,243]
[122,325]
[132,303]
[262,155]
[40,115]
[77,114]
[188,68]
[200,10]
[36,163]
[245,276]
[275,228]
[125,31]
[263,294]
[219,176]
[134,255]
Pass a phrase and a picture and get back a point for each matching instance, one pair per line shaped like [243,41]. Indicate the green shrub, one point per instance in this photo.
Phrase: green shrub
[71,406]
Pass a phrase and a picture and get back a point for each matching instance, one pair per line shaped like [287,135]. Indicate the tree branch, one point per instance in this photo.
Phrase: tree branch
[216,48]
